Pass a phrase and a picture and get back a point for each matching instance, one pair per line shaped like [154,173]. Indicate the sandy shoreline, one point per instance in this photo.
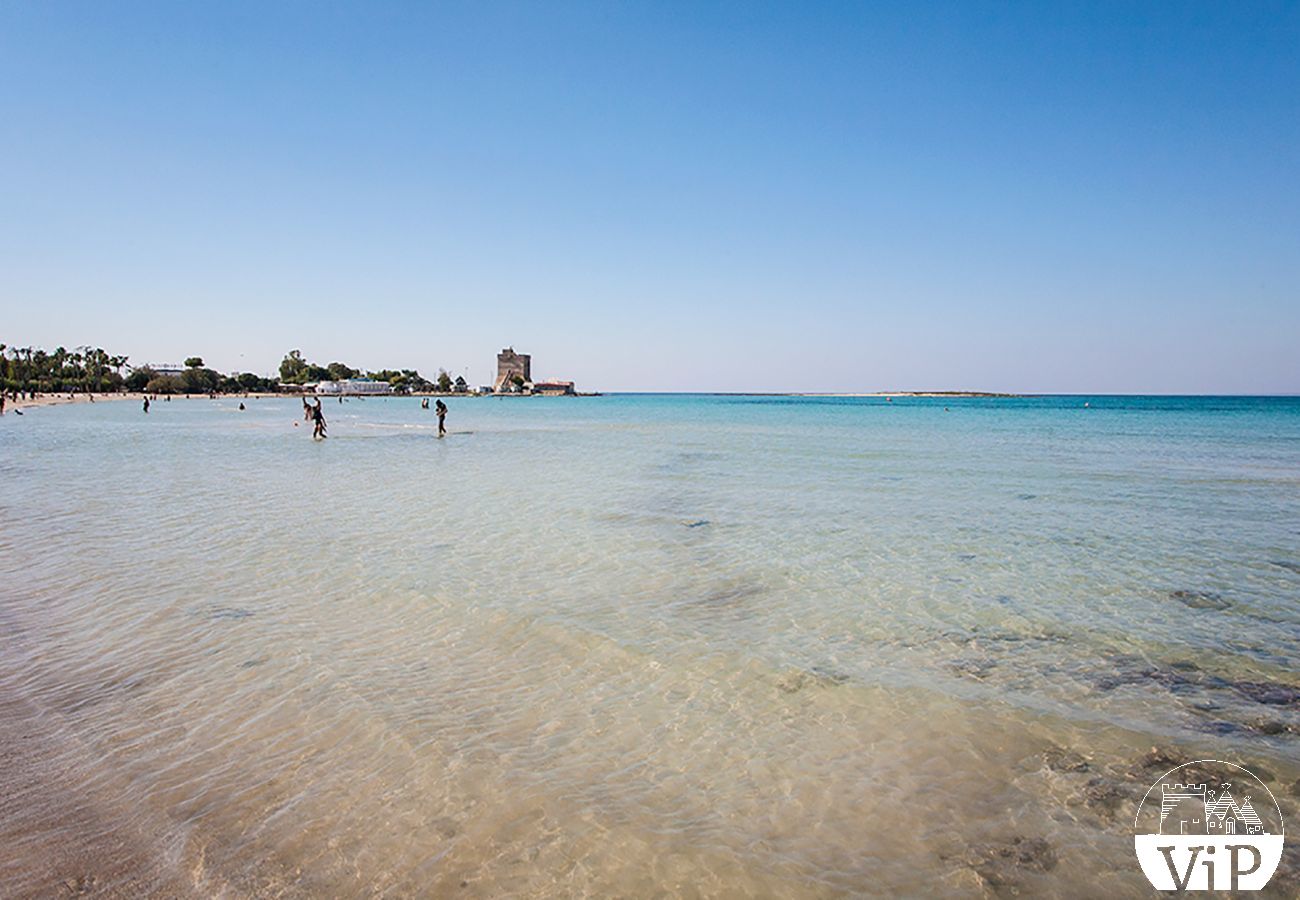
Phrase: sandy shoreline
[67,400]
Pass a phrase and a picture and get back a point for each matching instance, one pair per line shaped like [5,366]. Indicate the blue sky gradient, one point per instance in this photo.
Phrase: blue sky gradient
[696,196]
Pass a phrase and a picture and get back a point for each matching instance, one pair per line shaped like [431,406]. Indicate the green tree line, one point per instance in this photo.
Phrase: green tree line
[295,369]
[93,370]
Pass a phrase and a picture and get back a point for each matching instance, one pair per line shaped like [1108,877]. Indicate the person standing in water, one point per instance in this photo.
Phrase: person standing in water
[441,409]
[146,404]
[318,417]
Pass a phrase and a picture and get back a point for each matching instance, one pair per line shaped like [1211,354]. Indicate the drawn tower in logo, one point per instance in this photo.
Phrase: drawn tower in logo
[1183,809]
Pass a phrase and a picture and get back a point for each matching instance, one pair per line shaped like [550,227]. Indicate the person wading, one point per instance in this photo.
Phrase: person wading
[318,417]
[441,409]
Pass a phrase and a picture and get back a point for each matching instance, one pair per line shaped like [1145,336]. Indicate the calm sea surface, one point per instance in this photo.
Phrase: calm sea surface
[644,645]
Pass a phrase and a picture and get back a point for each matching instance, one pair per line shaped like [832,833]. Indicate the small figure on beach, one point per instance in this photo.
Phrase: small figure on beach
[424,404]
[146,404]
[441,409]
[2,403]
[317,417]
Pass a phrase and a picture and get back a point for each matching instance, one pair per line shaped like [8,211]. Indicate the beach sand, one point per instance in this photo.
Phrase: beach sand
[64,399]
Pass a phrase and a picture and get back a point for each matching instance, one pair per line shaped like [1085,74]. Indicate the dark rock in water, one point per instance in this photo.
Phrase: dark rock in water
[728,597]
[1161,758]
[818,676]
[829,675]
[1270,693]
[82,884]
[1221,728]
[978,635]
[1160,761]
[698,523]
[1270,727]
[1262,773]
[1059,759]
[1003,865]
[1201,599]
[1104,796]
[1289,566]
[1110,682]
[1178,679]
[973,668]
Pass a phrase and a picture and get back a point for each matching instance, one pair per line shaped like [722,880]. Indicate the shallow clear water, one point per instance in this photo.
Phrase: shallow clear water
[640,644]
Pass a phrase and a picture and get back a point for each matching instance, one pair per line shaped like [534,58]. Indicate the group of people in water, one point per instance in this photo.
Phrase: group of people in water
[312,412]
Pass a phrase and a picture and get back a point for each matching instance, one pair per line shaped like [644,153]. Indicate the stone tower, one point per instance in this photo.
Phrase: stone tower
[510,364]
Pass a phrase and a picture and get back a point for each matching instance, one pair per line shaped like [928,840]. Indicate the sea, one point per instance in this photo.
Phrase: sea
[637,645]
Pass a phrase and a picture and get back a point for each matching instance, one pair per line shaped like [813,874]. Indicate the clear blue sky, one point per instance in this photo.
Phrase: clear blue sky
[681,196]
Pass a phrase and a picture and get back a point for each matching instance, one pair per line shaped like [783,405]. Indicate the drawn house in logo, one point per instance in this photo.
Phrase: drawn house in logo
[1224,816]
[1193,809]
[1183,809]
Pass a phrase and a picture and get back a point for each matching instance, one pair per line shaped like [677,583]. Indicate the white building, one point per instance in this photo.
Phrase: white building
[354,386]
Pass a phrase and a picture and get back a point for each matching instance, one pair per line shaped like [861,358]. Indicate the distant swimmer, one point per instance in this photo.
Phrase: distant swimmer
[318,417]
[146,404]
[241,406]
[441,409]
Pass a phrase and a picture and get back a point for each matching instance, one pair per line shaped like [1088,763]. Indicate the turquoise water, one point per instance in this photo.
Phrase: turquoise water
[794,646]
